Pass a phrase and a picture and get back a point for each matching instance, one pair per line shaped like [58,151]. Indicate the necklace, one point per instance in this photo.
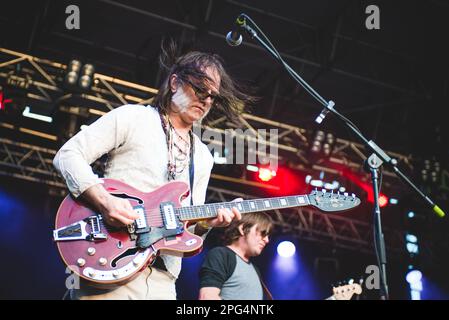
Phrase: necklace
[180,151]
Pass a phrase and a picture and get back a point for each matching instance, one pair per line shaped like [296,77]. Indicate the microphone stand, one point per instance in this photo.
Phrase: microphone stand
[377,158]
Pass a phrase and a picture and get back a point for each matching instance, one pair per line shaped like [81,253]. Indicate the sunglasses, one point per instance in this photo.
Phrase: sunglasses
[202,94]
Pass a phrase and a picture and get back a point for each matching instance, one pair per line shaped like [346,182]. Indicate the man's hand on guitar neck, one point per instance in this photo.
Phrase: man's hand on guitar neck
[225,216]
[117,212]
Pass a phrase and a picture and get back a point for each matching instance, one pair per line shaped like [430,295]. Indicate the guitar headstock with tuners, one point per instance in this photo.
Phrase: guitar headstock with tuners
[330,201]
[345,292]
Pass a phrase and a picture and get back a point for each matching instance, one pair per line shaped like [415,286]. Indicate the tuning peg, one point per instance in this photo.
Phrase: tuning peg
[346,194]
[323,191]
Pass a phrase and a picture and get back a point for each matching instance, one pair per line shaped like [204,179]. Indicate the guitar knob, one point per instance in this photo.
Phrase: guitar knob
[91,251]
[80,262]
[102,261]
[136,262]
[115,274]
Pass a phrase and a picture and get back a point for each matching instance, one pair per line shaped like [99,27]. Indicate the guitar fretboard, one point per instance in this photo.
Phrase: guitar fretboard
[207,211]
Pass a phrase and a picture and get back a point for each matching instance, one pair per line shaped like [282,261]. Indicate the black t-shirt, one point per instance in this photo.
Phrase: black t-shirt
[237,279]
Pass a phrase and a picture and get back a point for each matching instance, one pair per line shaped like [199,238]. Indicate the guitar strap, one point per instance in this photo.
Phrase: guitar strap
[265,290]
[191,166]
[264,286]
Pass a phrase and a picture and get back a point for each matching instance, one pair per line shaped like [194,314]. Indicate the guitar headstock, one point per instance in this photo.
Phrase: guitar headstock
[330,201]
[346,292]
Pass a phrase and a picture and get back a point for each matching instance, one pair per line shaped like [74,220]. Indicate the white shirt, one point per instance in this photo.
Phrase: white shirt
[135,142]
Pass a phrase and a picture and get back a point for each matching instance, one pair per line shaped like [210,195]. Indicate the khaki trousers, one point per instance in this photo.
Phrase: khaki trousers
[151,284]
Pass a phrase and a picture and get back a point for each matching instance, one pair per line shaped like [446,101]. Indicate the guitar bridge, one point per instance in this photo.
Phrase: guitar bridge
[79,230]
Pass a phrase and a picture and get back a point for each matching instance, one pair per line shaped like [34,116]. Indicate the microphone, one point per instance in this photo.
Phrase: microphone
[234,38]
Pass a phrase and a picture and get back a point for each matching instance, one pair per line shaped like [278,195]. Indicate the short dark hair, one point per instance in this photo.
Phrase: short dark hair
[263,221]
[191,67]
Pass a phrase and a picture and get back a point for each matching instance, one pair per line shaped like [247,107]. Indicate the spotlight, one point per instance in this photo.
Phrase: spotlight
[263,173]
[383,200]
[79,77]
[252,168]
[86,79]
[430,171]
[412,243]
[317,142]
[286,249]
[320,183]
[322,144]
[73,70]
[394,201]
[3,100]
[413,276]
[266,174]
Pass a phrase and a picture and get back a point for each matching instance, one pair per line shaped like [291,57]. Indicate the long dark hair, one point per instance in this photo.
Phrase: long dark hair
[263,221]
[190,67]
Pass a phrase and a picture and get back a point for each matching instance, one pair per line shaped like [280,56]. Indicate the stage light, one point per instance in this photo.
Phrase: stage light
[319,183]
[73,70]
[79,77]
[3,100]
[308,179]
[332,186]
[263,173]
[286,249]
[316,183]
[412,248]
[394,201]
[322,144]
[411,214]
[317,141]
[413,276]
[430,171]
[252,168]
[266,174]
[383,200]
[27,113]
[87,75]
[328,144]
[411,238]
[412,244]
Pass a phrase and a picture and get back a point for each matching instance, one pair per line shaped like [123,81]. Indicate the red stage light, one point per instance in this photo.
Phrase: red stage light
[3,101]
[266,174]
[383,200]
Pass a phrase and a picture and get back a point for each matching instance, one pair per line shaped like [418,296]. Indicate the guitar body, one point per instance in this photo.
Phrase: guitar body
[113,257]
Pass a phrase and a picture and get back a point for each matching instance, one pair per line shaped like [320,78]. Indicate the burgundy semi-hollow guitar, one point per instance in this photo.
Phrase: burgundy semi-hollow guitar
[109,256]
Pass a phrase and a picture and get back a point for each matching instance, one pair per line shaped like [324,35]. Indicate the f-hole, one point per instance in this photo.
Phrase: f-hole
[129,252]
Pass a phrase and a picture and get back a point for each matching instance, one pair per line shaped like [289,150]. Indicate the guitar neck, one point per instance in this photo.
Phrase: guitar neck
[208,211]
